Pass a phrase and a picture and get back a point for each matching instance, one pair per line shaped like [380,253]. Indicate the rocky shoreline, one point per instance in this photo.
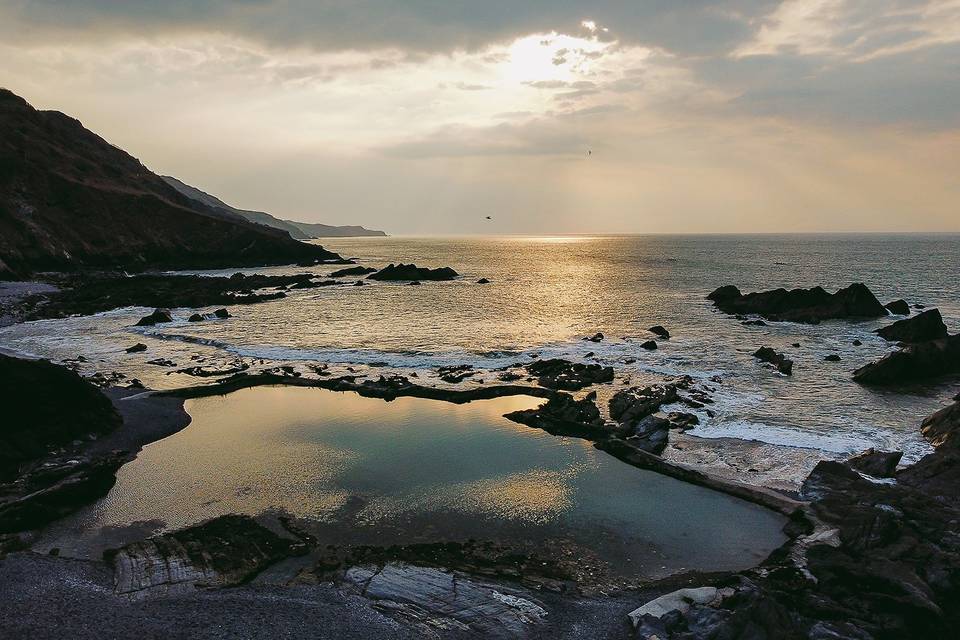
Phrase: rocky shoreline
[872,550]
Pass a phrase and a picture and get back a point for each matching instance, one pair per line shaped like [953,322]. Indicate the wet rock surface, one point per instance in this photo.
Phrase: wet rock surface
[783,364]
[557,373]
[660,331]
[157,317]
[563,415]
[352,271]
[879,464]
[920,328]
[413,272]
[915,362]
[800,305]
[898,308]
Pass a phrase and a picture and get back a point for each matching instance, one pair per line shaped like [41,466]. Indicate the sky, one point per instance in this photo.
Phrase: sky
[550,116]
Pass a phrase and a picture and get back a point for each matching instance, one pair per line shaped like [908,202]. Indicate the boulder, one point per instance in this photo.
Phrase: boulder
[412,272]
[352,271]
[857,343]
[833,357]
[483,281]
[222,313]
[659,331]
[800,305]
[196,318]
[920,328]
[914,362]
[650,433]
[597,337]
[780,361]
[158,316]
[649,345]
[879,464]
[137,348]
[898,308]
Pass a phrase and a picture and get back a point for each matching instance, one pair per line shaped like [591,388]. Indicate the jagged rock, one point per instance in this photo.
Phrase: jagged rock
[879,464]
[222,313]
[649,345]
[914,362]
[943,427]
[412,272]
[898,308]
[920,328]
[196,318]
[800,305]
[436,599]
[556,373]
[223,552]
[857,343]
[634,404]
[137,348]
[833,357]
[158,316]
[659,331]
[780,361]
[352,271]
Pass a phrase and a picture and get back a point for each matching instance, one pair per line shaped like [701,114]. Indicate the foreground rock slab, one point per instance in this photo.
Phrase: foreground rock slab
[223,552]
[439,600]
[915,362]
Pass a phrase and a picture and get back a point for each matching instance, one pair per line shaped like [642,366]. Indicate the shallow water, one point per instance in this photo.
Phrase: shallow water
[360,470]
[546,293]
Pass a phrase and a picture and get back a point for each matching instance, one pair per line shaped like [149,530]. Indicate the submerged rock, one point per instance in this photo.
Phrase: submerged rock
[800,305]
[833,357]
[597,337]
[649,345]
[222,313]
[483,281]
[137,348]
[556,373]
[898,308]
[413,272]
[158,316]
[914,362]
[196,318]
[780,361]
[920,328]
[879,464]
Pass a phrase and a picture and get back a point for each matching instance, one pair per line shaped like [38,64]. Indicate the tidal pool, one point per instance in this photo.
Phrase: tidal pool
[364,471]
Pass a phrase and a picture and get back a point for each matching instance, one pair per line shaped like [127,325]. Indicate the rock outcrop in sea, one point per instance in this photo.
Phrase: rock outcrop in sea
[920,328]
[800,305]
[412,272]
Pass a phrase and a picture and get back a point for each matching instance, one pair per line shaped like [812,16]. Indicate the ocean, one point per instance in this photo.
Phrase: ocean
[547,293]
